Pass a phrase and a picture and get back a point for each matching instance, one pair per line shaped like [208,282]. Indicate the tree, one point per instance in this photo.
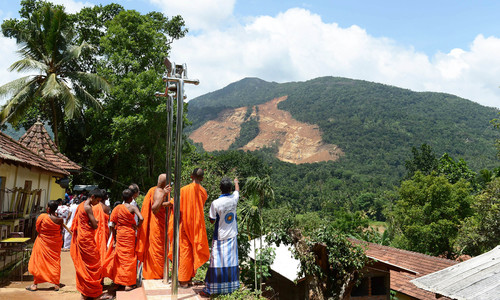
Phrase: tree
[59,89]
[427,217]
[496,124]
[126,140]
[455,170]
[329,262]
[480,232]
[259,192]
[424,161]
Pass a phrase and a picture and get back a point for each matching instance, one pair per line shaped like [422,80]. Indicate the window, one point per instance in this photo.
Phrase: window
[379,286]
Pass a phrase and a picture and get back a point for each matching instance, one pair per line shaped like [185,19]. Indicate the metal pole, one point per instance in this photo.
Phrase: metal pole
[177,184]
[170,129]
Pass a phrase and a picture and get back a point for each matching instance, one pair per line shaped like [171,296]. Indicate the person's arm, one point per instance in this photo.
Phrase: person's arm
[159,198]
[66,227]
[212,214]
[69,216]
[236,184]
[138,214]
[90,213]
[113,232]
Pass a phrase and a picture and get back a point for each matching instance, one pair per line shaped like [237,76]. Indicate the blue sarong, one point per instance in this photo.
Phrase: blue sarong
[223,274]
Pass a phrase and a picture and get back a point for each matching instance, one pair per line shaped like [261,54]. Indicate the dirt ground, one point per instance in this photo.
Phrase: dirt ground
[15,290]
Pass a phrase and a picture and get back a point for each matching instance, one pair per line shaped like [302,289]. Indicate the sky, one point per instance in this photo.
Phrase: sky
[439,46]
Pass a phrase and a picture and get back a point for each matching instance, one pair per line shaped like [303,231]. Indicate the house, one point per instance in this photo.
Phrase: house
[390,271]
[27,183]
[477,278]
[412,265]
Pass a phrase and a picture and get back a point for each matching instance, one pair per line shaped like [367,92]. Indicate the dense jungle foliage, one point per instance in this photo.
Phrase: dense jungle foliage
[374,124]
[424,165]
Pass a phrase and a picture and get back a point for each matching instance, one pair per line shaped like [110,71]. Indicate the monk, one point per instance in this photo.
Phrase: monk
[101,213]
[122,268]
[45,260]
[151,234]
[84,251]
[193,242]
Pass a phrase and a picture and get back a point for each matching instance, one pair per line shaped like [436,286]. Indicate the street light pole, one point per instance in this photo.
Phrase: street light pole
[177,75]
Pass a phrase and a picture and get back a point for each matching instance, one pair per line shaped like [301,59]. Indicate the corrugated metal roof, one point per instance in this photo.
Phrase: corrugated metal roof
[477,278]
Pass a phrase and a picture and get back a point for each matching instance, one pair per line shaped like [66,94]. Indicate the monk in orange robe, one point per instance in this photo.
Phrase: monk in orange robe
[151,234]
[84,251]
[193,242]
[101,214]
[122,260]
[45,260]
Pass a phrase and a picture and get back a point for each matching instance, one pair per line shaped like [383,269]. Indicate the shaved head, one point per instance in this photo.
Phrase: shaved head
[198,174]
[162,180]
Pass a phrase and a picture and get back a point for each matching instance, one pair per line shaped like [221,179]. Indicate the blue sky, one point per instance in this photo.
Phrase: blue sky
[442,46]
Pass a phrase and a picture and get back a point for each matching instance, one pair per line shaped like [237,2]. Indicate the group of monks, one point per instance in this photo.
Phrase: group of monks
[109,243]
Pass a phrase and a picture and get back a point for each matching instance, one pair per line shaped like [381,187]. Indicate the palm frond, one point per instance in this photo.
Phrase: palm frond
[91,80]
[85,97]
[16,85]
[75,52]
[51,87]
[71,103]
[19,103]
[28,64]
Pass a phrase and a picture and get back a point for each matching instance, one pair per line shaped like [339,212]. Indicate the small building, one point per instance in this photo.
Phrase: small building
[475,279]
[27,182]
[412,265]
[390,270]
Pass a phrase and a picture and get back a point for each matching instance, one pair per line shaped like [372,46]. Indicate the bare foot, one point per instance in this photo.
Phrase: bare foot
[56,287]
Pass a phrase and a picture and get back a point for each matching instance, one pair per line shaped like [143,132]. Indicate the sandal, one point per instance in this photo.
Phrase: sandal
[31,289]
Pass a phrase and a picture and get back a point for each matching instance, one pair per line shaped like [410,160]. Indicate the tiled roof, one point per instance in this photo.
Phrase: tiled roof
[417,264]
[13,152]
[37,139]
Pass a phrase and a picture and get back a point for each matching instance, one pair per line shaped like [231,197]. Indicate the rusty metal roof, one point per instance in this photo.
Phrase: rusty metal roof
[13,152]
[37,139]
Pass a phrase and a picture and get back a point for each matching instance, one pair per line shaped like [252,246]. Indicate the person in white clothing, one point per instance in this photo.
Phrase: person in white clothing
[69,221]
[223,273]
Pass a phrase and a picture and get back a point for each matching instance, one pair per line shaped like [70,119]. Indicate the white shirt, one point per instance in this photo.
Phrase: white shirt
[223,211]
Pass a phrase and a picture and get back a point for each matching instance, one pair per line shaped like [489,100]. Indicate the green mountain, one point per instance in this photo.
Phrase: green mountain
[375,125]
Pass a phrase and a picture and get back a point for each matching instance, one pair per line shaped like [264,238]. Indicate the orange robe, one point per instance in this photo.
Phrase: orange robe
[193,242]
[121,260]
[151,239]
[45,260]
[102,231]
[85,255]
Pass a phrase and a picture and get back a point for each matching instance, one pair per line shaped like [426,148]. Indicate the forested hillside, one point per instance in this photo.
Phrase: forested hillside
[374,124]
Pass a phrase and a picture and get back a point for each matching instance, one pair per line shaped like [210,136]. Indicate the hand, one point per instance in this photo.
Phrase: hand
[236,180]
[167,189]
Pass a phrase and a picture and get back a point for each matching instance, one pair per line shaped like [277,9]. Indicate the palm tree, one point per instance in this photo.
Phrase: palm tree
[58,89]
[260,191]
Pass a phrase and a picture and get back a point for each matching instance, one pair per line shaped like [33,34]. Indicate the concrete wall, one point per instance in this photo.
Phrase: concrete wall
[16,176]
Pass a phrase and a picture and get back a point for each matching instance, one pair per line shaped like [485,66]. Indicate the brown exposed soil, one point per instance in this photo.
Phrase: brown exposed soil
[297,142]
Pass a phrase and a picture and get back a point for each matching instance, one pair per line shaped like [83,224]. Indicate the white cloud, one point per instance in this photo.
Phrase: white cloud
[199,14]
[72,6]
[297,45]
[8,58]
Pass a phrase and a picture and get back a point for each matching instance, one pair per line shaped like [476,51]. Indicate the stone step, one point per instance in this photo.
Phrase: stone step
[156,290]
